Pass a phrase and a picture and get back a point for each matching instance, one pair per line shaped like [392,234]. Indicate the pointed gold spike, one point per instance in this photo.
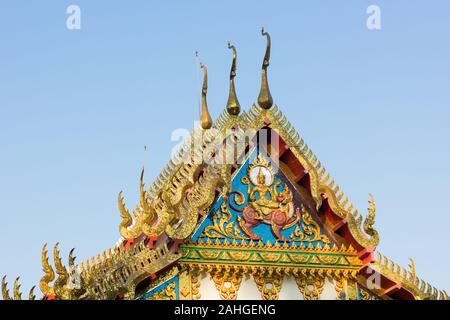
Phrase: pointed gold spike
[17,293]
[233,106]
[412,267]
[5,292]
[71,258]
[379,258]
[265,100]
[206,119]
[32,296]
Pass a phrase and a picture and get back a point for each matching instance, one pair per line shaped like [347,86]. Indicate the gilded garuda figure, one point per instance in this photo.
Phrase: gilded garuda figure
[266,204]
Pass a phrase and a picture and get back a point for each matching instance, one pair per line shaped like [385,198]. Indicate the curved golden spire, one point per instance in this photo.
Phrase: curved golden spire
[265,100]
[60,269]
[206,120]
[370,219]
[49,274]
[233,106]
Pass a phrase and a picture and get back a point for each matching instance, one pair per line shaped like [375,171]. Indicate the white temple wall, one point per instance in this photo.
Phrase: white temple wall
[249,291]
[328,293]
[289,290]
[208,290]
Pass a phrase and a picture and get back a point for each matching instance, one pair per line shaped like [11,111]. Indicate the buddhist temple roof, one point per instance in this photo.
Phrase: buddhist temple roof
[174,206]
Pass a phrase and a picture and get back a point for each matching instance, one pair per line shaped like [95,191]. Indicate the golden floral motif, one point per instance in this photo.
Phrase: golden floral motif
[299,258]
[366,295]
[167,294]
[207,254]
[269,286]
[223,227]
[239,255]
[227,284]
[270,257]
[353,260]
[307,230]
[329,259]
[311,286]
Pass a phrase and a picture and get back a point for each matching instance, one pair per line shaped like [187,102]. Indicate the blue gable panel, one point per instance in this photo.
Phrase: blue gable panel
[230,219]
[162,288]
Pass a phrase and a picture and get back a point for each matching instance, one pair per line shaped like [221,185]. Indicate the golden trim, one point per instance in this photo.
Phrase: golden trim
[407,279]
[185,285]
[340,287]
[269,285]
[168,293]
[352,290]
[310,286]
[195,284]
[227,283]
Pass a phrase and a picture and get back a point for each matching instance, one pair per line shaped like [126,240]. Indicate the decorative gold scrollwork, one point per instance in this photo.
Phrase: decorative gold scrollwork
[223,227]
[269,285]
[167,294]
[195,284]
[311,286]
[340,284]
[227,283]
[366,295]
[308,230]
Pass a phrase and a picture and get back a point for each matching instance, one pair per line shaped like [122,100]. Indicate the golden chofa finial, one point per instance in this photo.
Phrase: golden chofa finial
[206,120]
[233,106]
[265,100]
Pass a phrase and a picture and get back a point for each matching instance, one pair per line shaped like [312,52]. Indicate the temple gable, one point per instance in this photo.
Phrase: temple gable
[262,205]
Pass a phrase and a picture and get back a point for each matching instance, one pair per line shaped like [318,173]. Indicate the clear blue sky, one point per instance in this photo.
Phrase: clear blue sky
[77,108]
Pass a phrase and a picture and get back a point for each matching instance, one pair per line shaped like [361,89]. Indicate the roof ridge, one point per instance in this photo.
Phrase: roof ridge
[407,279]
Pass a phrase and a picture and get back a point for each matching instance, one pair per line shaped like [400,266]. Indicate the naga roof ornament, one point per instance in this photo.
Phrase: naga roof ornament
[265,100]
[206,119]
[233,106]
